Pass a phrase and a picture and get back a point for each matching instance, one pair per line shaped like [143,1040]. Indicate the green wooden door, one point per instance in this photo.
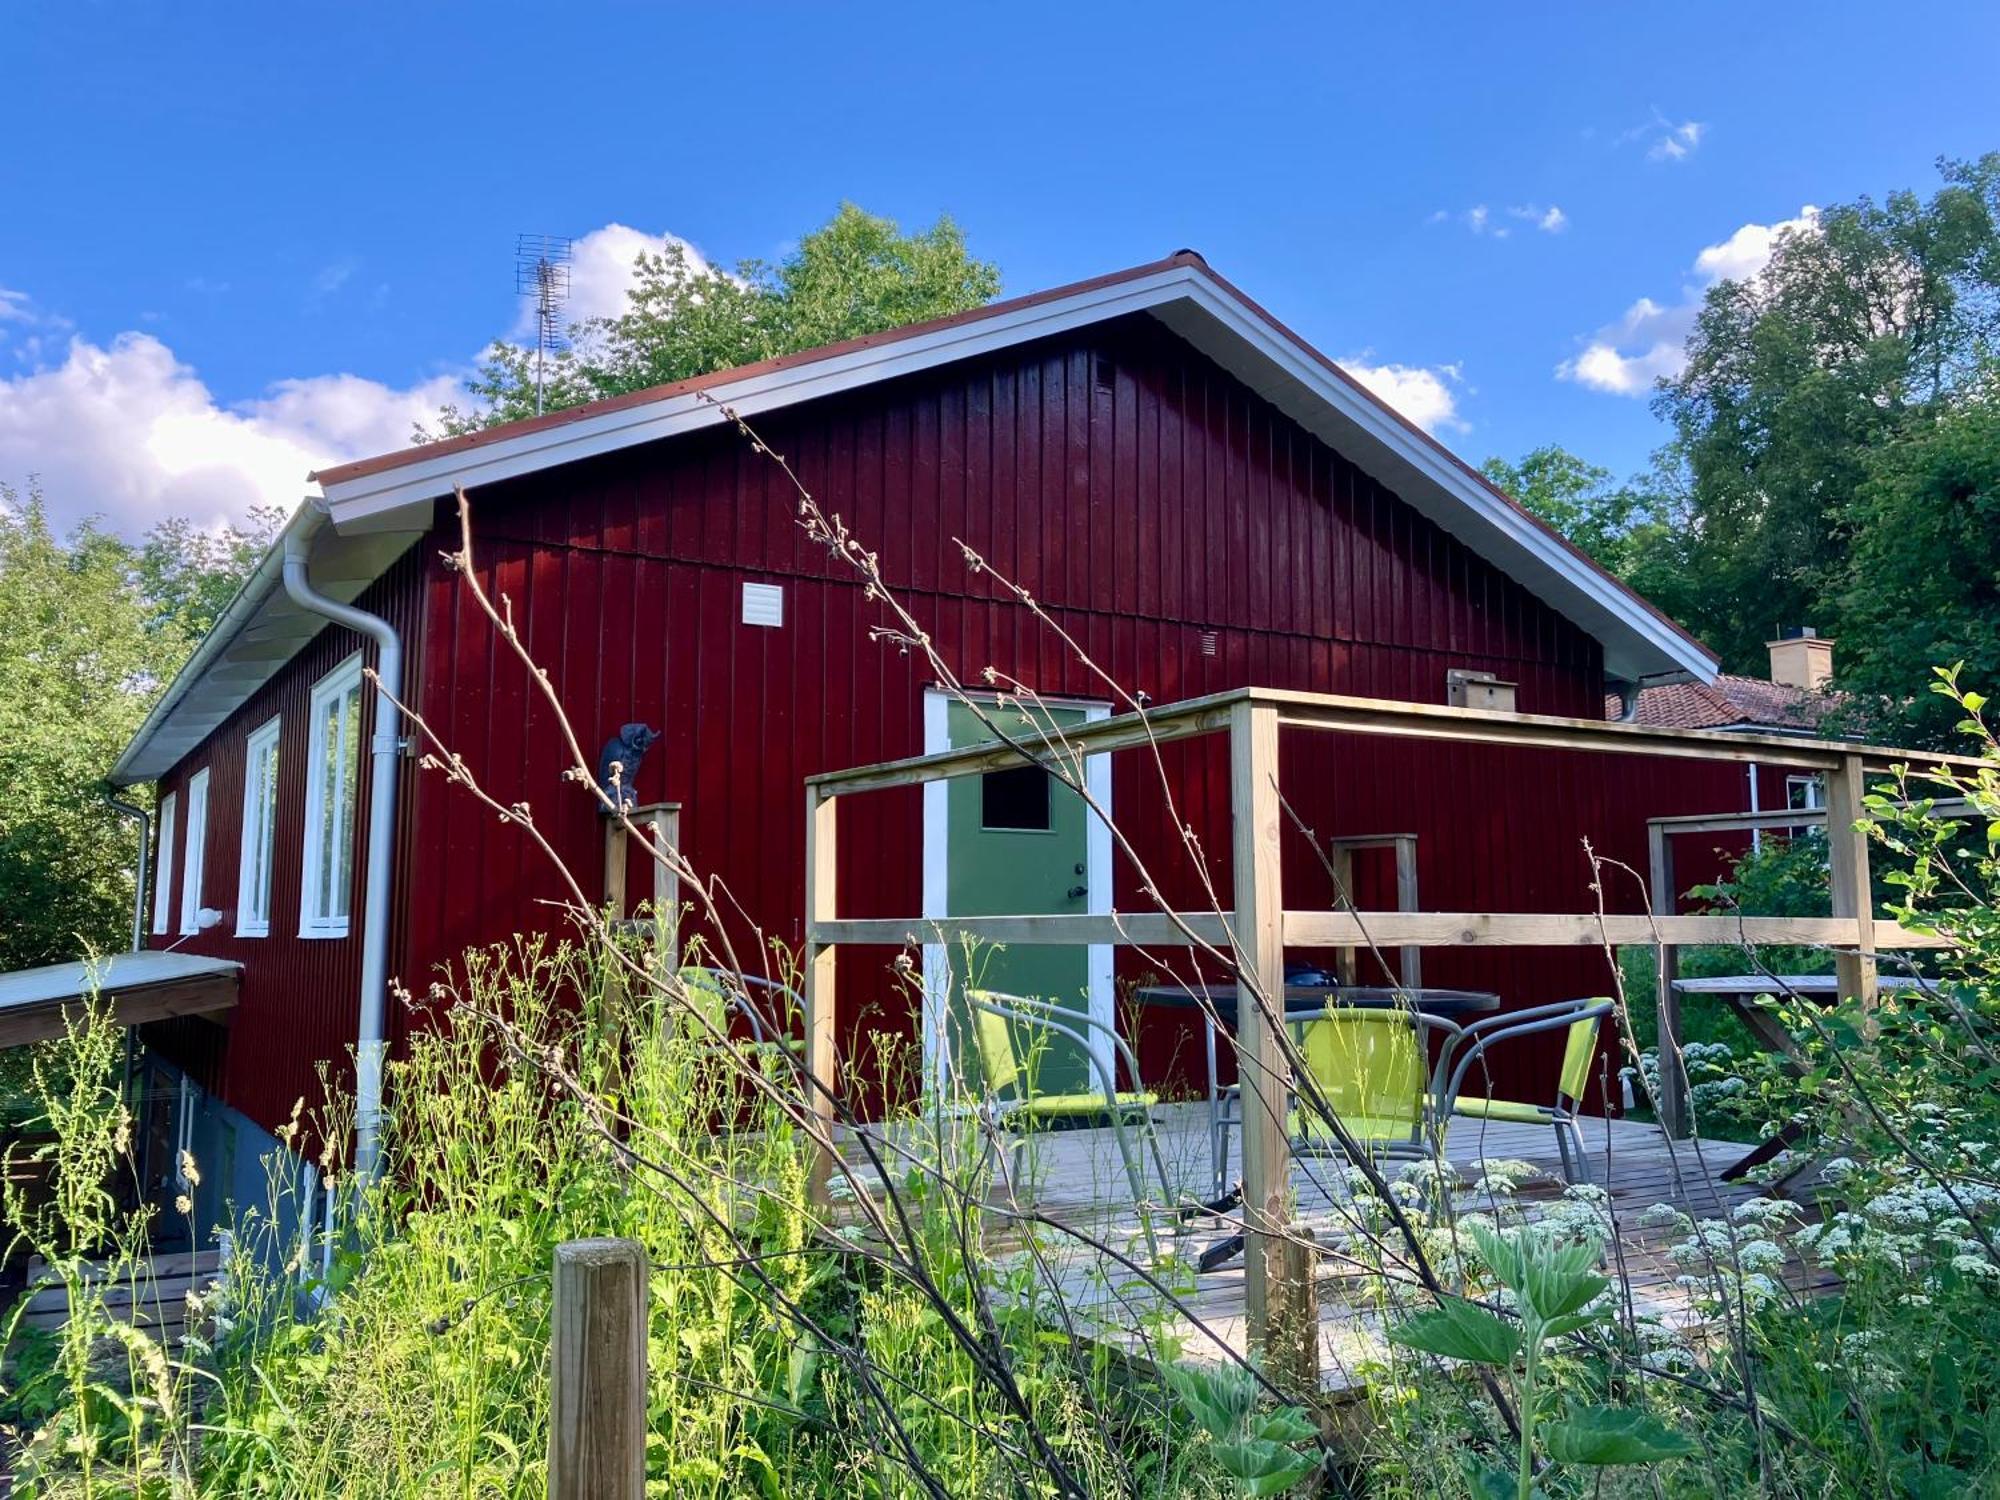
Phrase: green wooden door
[1018,844]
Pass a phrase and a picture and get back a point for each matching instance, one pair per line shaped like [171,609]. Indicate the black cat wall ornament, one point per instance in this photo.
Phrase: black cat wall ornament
[628,747]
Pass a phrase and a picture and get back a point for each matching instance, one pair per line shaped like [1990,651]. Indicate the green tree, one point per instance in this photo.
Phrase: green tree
[91,628]
[1619,525]
[1863,329]
[856,274]
[1922,586]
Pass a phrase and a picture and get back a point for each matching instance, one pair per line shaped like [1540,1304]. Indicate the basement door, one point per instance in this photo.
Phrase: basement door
[1013,842]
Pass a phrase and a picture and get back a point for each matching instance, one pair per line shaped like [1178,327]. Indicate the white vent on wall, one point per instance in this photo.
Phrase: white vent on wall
[1209,642]
[763,604]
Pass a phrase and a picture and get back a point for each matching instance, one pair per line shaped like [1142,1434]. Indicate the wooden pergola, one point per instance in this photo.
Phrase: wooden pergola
[1260,927]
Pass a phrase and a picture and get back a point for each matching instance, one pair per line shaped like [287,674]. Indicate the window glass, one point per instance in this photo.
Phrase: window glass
[163,863]
[260,816]
[1015,799]
[194,858]
[334,758]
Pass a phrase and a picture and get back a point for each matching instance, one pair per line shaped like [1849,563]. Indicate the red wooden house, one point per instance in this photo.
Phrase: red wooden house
[1192,491]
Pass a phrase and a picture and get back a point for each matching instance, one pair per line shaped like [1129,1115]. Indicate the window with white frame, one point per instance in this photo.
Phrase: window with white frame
[333,755]
[163,864]
[1804,793]
[192,859]
[260,818]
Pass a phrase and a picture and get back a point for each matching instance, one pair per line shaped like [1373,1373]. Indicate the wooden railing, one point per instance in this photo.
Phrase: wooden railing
[1258,928]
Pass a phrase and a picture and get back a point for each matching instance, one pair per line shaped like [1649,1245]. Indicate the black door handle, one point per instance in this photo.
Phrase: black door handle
[1076,891]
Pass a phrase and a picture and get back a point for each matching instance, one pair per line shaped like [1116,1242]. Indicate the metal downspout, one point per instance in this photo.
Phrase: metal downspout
[144,819]
[383,749]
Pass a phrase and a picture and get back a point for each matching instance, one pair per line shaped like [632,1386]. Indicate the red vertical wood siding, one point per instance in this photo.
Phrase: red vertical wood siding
[1140,493]
[1143,496]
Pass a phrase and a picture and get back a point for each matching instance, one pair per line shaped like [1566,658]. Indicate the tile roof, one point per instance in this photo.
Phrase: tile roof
[1730,700]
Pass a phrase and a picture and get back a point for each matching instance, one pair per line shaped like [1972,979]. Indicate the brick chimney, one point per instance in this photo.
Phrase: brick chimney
[1801,658]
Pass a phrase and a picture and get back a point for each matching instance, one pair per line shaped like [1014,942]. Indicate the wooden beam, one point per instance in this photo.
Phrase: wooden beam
[212,995]
[822,991]
[1177,721]
[1437,721]
[1446,929]
[1334,929]
[1271,1295]
[1847,865]
[1049,929]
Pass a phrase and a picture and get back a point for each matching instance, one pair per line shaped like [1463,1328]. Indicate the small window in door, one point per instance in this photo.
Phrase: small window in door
[1015,800]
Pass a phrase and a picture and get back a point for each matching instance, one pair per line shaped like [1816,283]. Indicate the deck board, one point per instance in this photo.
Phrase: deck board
[1075,1178]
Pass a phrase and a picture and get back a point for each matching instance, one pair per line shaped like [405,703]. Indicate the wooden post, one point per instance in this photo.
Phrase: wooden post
[615,862]
[597,1372]
[1406,900]
[1271,1294]
[1340,854]
[822,905]
[1847,862]
[1675,1107]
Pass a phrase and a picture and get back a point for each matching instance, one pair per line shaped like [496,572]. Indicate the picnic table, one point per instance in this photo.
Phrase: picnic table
[1740,992]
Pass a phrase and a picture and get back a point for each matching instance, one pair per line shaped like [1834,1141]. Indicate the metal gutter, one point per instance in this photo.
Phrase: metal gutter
[145,821]
[383,751]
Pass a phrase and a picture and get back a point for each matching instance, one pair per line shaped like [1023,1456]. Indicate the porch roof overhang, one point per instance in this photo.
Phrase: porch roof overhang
[36,1004]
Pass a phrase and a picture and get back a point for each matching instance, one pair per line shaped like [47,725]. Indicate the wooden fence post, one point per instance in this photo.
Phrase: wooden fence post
[1270,1290]
[1674,1106]
[821,971]
[1847,862]
[597,1372]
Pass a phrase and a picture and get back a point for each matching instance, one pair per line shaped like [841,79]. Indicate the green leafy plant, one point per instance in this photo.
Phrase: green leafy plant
[1258,1448]
[1555,1289]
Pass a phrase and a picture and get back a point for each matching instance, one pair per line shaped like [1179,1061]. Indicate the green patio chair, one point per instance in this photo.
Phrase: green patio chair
[1582,1020]
[721,992]
[1012,1101]
[1371,1066]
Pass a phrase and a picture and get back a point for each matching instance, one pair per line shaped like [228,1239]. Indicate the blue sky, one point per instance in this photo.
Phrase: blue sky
[216,213]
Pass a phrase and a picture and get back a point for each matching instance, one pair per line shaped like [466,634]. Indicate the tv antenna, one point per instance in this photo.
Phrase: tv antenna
[541,271]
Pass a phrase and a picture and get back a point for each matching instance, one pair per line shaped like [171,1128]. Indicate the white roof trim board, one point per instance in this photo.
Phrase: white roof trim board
[397,499]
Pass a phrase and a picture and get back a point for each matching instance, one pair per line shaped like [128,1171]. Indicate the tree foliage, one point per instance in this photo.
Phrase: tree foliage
[1617,524]
[856,274]
[91,627]
[1832,461]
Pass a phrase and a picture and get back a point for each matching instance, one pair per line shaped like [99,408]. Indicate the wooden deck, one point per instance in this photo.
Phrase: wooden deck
[1075,1179]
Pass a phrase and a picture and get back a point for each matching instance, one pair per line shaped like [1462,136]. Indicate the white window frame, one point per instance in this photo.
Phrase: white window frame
[1815,793]
[337,684]
[163,863]
[260,829]
[194,859]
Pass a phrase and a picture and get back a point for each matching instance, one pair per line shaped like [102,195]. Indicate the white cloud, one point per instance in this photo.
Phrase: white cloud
[1427,395]
[1665,139]
[1481,220]
[1648,343]
[127,431]
[1550,220]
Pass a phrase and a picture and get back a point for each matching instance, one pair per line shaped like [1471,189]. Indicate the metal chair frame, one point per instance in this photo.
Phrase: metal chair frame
[1561,1015]
[1029,1011]
[765,1031]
